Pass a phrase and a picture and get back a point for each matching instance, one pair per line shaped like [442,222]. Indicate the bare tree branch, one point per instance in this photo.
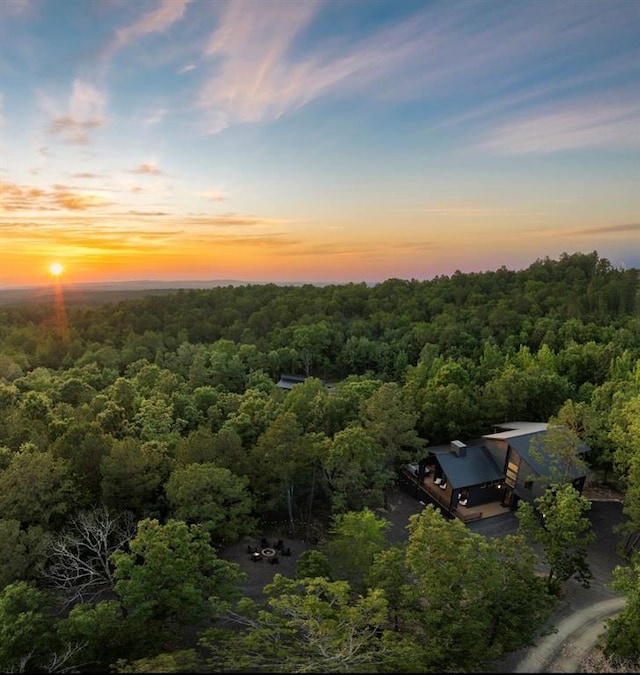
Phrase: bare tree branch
[78,558]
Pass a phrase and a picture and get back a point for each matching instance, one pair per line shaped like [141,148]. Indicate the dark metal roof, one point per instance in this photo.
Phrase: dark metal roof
[474,467]
[541,462]
[288,381]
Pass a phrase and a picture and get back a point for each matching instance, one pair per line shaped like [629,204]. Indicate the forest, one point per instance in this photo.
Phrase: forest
[139,438]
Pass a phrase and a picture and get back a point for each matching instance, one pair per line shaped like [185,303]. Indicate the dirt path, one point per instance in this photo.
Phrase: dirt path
[563,651]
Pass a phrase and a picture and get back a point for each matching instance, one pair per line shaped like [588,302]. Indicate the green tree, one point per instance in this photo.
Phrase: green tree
[133,474]
[171,578]
[103,634]
[391,422]
[462,581]
[37,489]
[212,497]
[622,632]
[312,342]
[83,446]
[356,470]
[154,418]
[313,563]
[310,625]
[180,661]
[26,636]
[558,450]
[355,538]
[308,400]
[559,524]
[196,447]
[282,465]
[22,551]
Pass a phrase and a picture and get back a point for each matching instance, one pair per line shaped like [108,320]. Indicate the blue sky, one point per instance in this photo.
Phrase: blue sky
[315,141]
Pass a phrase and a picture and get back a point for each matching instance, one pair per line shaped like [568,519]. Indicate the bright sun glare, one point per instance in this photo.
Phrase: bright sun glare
[56,269]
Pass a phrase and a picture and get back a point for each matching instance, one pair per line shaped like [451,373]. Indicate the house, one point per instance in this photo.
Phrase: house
[289,381]
[493,473]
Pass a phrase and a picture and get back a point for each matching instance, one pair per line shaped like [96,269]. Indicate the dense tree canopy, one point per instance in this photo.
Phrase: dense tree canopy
[165,409]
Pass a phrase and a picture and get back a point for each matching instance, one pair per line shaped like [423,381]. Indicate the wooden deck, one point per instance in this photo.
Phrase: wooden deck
[465,513]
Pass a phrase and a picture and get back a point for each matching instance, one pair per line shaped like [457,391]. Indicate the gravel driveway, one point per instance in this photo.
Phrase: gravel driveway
[579,617]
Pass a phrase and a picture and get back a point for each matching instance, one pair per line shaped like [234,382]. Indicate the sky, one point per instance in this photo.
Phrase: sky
[315,141]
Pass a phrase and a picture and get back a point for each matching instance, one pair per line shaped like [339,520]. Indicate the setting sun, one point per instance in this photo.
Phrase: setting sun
[56,269]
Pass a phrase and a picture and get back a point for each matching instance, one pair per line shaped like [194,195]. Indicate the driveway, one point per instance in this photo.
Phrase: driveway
[580,615]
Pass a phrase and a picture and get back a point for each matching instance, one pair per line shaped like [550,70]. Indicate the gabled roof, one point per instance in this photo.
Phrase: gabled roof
[525,444]
[474,467]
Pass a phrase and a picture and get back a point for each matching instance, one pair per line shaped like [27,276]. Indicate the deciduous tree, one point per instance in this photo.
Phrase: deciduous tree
[558,522]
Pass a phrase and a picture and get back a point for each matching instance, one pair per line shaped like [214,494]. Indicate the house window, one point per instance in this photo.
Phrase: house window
[528,483]
[511,474]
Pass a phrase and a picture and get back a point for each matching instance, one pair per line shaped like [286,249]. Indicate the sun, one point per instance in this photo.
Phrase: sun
[56,269]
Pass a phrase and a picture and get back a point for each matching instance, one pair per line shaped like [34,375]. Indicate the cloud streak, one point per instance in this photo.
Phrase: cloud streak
[148,169]
[14,197]
[567,126]
[157,21]
[86,114]
[610,229]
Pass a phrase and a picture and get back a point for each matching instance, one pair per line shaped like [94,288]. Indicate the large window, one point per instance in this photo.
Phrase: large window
[512,473]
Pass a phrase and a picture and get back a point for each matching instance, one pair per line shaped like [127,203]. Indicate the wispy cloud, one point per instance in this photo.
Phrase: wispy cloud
[14,197]
[157,21]
[155,117]
[214,195]
[15,7]
[148,168]
[78,202]
[87,237]
[131,212]
[90,236]
[255,70]
[229,219]
[475,210]
[86,114]
[609,229]
[567,126]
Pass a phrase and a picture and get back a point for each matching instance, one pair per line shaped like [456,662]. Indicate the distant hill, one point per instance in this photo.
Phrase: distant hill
[115,291]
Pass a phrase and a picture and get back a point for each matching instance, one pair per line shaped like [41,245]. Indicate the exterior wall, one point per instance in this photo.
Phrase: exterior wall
[482,495]
[526,474]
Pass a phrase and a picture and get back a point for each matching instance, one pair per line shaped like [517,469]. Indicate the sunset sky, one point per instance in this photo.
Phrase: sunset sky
[335,140]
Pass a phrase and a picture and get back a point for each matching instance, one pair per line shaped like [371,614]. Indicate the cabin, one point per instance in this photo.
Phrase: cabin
[488,476]
[289,381]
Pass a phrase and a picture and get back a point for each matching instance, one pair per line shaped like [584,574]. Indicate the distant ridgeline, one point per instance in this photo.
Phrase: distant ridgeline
[335,330]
